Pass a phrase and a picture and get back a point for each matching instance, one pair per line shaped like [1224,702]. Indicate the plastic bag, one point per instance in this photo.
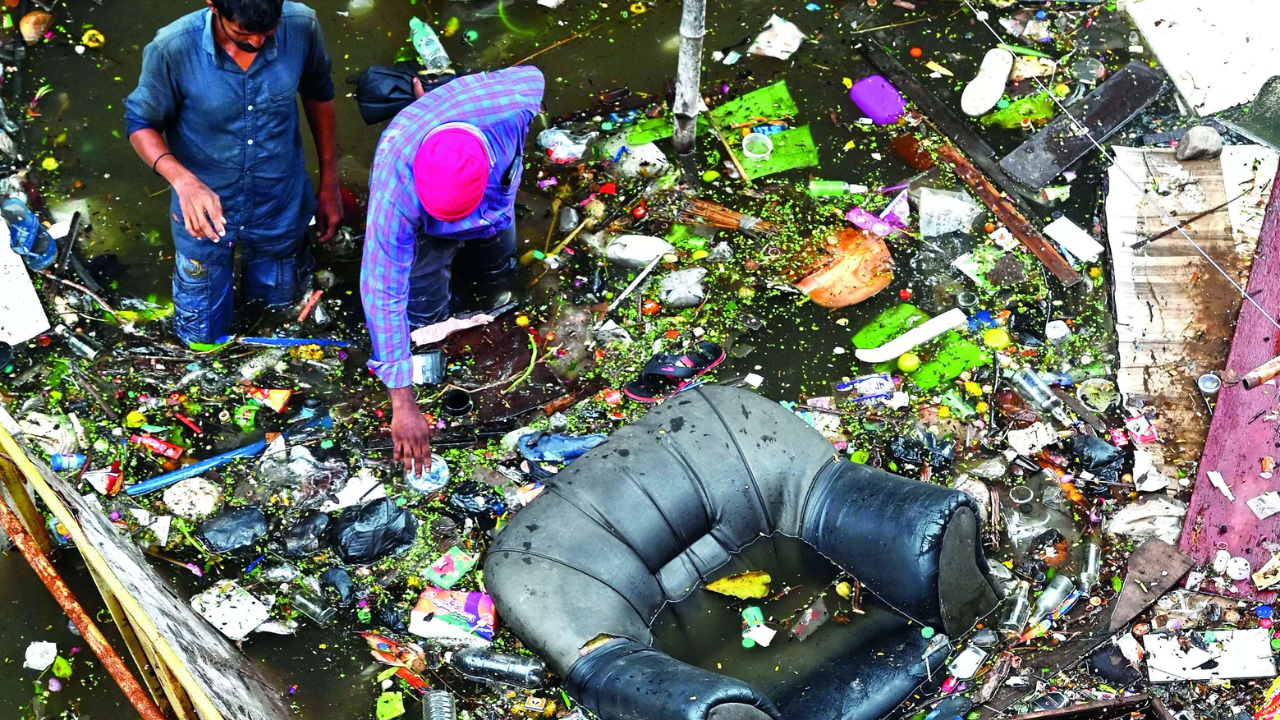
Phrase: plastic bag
[304,537]
[234,529]
[546,447]
[308,482]
[192,498]
[1098,457]
[378,529]
[40,656]
[231,609]
[921,447]
[563,147]
[339,580]
[779,39]
[944,211]
[683,288]
[477,501]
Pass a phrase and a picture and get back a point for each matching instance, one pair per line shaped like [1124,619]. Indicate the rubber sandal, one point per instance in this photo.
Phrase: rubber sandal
[987,88]
[671,373]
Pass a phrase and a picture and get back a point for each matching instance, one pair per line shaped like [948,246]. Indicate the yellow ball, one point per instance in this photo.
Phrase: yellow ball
[523,321]
[996,338]
[981,406]
[49,164]
[908,362]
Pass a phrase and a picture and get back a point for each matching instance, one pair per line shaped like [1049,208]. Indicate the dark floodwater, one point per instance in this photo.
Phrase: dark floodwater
[80,124]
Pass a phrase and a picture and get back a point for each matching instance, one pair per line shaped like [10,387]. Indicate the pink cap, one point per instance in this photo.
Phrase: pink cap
[450,172]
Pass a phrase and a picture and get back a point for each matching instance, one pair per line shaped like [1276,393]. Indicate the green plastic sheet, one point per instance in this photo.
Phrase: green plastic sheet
[944,357]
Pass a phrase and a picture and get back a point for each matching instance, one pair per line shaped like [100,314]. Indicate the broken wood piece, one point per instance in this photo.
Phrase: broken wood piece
[705,212]
[1154,568]
[1004,210]
[1261,374]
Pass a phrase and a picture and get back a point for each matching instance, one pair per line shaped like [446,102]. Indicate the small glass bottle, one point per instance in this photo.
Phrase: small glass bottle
[834,188]
[79,344]
[1059,588]
[1017,609]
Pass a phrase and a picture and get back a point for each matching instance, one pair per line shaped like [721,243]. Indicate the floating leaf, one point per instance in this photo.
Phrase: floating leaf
[743,585]
[61,668]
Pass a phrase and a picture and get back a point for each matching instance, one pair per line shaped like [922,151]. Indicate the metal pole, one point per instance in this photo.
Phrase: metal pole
[693,25]
[110,660]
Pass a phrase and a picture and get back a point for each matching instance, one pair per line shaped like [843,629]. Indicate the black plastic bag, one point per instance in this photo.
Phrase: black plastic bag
[476,500]
[382,91]
[921,447]
[339,580]
[304,538]
[375,530]
[234,529]
[391,617]
[1098,457]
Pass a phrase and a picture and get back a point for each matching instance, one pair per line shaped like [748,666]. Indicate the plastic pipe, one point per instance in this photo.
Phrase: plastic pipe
[292,342]
[922,333]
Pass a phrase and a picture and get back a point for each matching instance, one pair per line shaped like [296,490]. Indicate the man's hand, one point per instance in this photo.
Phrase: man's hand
[410,431]
[201,208]
[418,90]
[328,209]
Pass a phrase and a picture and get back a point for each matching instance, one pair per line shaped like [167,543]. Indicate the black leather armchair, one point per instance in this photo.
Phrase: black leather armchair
[664,506]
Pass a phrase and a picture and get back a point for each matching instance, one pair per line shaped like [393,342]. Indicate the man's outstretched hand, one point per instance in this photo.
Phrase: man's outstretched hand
[410,431]
[328,209]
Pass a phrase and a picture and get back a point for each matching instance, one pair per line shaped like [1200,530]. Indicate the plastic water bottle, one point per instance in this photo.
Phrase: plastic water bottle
[438,705]
[65,461]
[431,52]
[834,188]
[483,664]
[27,236]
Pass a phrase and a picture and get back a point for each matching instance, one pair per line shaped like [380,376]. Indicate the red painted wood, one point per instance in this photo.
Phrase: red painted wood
[1238,442]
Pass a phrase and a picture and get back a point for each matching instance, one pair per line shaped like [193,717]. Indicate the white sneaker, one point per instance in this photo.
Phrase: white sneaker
[986,90]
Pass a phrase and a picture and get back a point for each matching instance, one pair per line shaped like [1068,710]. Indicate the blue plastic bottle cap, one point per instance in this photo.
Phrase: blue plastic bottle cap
[1263,611]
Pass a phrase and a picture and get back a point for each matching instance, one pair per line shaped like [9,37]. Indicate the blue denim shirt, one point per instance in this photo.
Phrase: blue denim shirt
[237,131]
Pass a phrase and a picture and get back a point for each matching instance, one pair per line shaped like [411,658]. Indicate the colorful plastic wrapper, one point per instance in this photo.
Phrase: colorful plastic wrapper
[450,567]
[453,615]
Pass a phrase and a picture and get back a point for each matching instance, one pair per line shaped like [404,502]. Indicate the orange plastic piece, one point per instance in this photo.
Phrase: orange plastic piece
[860,267]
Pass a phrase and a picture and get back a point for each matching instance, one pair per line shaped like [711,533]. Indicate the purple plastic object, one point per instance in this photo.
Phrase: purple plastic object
[878,100]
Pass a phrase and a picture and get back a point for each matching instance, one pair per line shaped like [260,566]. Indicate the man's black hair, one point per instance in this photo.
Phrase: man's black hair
[255,16]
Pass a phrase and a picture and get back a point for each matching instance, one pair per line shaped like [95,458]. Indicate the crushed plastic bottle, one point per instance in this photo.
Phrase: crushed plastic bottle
[438,705]
[430,51]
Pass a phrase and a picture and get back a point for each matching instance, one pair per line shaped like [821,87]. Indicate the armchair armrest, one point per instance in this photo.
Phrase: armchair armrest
[624,680]
[892,534]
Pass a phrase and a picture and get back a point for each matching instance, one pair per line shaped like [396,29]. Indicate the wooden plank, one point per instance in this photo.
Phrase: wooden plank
[178,700]
[16,489]
[219,680]
[144,663]
[1172,308]
[1238,438]
[1153,569]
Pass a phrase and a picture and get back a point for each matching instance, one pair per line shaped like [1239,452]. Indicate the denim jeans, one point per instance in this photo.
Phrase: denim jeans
[447,274]
[275,273]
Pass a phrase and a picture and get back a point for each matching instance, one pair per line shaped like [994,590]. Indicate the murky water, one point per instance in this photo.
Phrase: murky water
[80,123]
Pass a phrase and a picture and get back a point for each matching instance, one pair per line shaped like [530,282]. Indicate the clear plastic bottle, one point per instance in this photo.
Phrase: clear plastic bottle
[27,236]
[431,52]
[834,188]
[438,705]
[1091,566]
[484,664]
[1036,392]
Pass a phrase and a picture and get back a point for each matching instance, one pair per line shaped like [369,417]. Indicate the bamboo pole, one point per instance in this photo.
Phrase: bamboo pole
[113,663]
[693,26]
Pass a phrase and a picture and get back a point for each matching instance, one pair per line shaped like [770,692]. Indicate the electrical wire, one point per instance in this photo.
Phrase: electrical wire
[1164,214]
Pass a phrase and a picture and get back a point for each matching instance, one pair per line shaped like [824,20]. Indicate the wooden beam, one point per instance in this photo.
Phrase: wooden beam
[24,505]
[1004,210]
[146,667]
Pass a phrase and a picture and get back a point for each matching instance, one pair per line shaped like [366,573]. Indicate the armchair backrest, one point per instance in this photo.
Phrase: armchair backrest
[648,517]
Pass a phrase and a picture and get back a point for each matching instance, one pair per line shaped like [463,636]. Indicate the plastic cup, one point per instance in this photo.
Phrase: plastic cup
[457,402]
[757,146]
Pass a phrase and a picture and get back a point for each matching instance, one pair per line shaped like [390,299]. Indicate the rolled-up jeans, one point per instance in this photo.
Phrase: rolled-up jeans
[447,274]
[275,271]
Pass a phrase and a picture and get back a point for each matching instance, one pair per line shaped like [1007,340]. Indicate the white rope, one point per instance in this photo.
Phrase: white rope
[1164,214]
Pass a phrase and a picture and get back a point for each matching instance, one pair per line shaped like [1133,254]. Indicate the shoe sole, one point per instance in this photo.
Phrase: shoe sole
[987,88]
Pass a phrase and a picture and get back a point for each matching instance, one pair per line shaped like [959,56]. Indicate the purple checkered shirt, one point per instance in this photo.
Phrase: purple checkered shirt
[501,104]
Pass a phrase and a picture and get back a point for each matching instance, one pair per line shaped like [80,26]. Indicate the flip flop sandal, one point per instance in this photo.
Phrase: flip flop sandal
[665,373]
[987,88]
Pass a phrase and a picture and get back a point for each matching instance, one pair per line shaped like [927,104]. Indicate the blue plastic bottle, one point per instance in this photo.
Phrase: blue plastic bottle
[27,236]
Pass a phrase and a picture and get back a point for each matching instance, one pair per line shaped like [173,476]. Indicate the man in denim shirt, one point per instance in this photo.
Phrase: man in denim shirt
[215,114]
